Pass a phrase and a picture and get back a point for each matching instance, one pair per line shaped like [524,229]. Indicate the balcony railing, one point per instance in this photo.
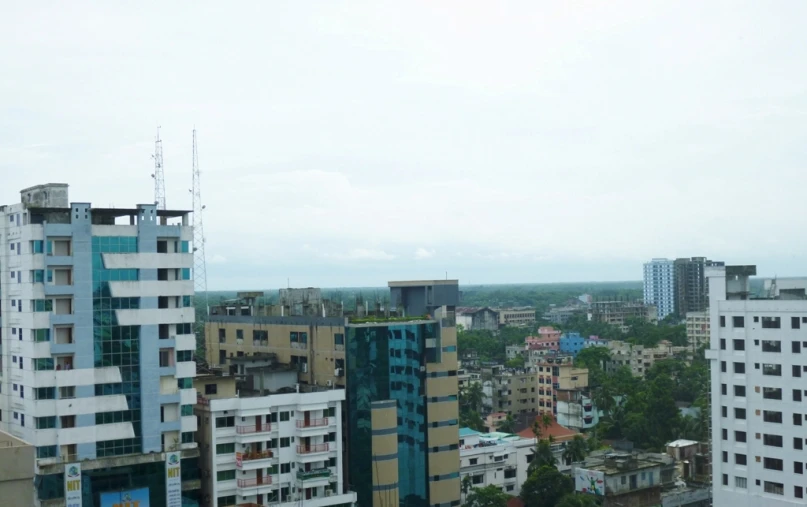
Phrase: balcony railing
[253,483]
[321,473]
[310,449]
[253,428]
[312,423]
[251,456]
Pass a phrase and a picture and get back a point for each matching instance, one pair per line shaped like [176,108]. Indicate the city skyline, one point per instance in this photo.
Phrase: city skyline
[329,143]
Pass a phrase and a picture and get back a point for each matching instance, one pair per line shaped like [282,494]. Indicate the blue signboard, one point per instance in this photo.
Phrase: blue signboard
[131,498]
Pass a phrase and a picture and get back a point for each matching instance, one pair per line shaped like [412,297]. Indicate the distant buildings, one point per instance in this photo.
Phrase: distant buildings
[478,319]
[620,313]
[677,287]
[698,329]
[622,478]
[659,286]
[758,387]
[560,315]
[517,317]
[572,343]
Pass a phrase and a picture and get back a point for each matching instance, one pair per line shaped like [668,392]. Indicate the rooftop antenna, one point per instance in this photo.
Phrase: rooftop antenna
[199,266]
[159,175]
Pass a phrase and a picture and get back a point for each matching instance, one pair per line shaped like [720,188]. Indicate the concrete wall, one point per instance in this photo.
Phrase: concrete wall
[16,471]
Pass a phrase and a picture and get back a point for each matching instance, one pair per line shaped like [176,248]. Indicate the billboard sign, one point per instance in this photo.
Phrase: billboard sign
[72,485]
[239,460]
[131,498]
[173,480]
[589,481]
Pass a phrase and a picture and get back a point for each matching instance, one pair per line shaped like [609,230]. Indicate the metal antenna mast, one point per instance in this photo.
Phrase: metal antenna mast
[199,268]
[159,175]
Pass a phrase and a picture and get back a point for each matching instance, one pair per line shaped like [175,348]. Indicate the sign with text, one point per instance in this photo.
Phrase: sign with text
[72,485]
[173,480]
[132,498]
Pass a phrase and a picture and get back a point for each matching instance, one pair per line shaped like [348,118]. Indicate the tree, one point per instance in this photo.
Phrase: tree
[465,485]
[508,425]
[574,500]
[516,362]
[472,420]
[542,456]
[489,496]
[576,450]
[470,398]
[545,487]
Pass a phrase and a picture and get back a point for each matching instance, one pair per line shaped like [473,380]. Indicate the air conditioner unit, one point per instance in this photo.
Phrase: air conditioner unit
[329,383]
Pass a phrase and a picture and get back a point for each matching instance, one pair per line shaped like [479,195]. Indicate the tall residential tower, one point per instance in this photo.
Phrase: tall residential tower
[659,286]
[97,348]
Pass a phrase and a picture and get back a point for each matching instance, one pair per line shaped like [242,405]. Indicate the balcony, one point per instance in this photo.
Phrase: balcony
[255,482]
[312,449]
[312,475]
[313,423]
[252,460]
[253,428]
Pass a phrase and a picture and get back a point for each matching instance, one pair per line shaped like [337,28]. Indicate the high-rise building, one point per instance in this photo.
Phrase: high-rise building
[691,284]
[402,407]
[758,386]
[659,286]
[97,349]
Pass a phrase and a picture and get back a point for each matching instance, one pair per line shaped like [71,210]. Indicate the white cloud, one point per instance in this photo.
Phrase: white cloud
[217,259]
[422,253]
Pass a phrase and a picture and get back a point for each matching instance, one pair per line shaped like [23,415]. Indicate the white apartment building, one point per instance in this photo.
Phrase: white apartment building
[659,285]
[97,346]
[494,459]
[758,356]
[283,448]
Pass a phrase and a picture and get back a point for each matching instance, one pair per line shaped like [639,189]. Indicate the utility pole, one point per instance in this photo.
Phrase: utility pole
[199,265]
[158,175]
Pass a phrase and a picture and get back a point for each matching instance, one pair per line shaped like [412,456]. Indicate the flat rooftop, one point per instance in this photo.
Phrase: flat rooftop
[422,283]
[115,212]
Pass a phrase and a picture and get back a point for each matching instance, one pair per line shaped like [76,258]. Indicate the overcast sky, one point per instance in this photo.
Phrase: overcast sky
[351,143]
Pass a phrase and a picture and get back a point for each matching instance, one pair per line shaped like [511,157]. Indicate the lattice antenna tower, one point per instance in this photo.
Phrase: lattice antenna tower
[159,174]
[199,265]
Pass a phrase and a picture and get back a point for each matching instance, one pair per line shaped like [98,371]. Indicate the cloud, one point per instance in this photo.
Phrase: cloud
[365,254]
[217,259]
[421,253]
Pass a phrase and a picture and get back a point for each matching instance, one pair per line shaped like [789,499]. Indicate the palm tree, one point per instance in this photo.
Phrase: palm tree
[465,485]
[542,456]
[576,450]
[547,420]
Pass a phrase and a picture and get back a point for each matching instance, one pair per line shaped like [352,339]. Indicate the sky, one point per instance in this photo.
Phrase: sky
[352,143]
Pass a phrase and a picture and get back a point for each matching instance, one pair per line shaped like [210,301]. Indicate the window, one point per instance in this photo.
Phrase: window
[48,451]
[771,346]
[798,491]
[239,334]
[724,411]
[225,501]
[723,366]
[225,448]
[43,423]
[722,344]
[185,383]
[184,355]
[186,410]
[225,475]
[772,440]
[339,339]
[211,388]
[284,441]
[285,468]
[42,305]
[772,416]
[740,482]
[774,370]
[67,392]
[738,344]
[725,457]
[739,391]
[222,335]
[773,464]
[776,488]
[798,443]
[795,347]
[43,364]
[794,323]
[772,393]
[798,467]
[41,335]
[45,393]
[739,368]
[225,422]
[771,322]
[722,321]
[797,419]
[284,416]
[739,413]
[796,370]
[796,394]
[739,436]
[725,434]
[725,479]
[723,389]
[740,459]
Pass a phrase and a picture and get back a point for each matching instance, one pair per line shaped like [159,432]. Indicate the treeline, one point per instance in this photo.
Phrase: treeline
[542,296]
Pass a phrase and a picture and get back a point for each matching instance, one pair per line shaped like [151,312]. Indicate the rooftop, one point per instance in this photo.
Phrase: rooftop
[556,431]
[422,283]
[682,443]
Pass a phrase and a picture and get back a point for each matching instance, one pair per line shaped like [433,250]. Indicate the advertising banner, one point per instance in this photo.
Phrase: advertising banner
[589,481]
[239,460]
[173,480]
[72,485]
[131,498]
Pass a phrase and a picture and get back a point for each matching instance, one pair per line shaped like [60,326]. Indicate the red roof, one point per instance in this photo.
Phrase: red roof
[558,432]
[515,502]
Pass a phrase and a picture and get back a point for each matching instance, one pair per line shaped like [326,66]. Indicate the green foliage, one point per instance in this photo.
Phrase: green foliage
[508,425]
[542,456]
[578,500]
[576,450]
[470,403]
[516,362]
[541,296]
[644,333]
[545,487]
[489,496]
[488,346]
